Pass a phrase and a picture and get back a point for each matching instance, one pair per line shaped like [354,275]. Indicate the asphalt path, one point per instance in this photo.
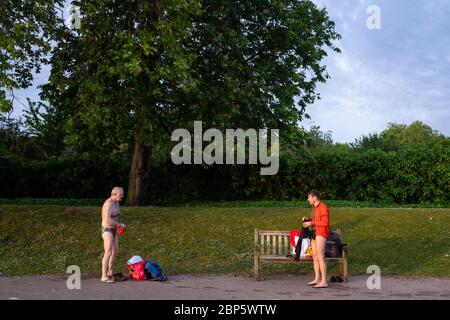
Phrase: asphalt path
[217,287]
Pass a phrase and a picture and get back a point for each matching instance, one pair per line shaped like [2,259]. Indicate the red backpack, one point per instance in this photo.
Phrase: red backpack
[137,271]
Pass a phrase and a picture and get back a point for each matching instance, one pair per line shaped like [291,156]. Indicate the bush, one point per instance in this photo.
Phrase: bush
[416,174]
[61,178]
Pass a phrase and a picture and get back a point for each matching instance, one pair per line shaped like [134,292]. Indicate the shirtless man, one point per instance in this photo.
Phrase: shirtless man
[110,222]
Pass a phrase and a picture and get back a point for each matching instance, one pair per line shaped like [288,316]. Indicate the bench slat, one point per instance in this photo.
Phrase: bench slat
[274,247]
[262,244]
[275,233]
[280,245]
[284,258]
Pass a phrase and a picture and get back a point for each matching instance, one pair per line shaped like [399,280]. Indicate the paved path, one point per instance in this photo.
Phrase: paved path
[222,287]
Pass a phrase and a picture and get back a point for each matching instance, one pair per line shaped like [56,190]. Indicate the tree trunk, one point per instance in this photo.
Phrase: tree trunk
[139,176]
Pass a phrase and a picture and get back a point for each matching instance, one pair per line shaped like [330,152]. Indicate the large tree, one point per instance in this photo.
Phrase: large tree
[136,70]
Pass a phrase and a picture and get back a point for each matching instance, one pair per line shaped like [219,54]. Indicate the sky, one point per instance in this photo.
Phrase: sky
[398,73]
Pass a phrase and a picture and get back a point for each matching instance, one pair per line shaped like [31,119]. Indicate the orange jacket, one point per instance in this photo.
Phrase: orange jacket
[322,220]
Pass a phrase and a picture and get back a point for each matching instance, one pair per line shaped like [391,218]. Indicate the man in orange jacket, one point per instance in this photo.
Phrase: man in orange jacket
[320,222]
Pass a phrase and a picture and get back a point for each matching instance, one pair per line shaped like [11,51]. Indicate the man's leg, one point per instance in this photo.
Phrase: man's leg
[112,258]
[316,264]
[108,244]
[320,246]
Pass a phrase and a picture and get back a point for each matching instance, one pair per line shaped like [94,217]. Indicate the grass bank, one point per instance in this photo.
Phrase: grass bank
[48,238]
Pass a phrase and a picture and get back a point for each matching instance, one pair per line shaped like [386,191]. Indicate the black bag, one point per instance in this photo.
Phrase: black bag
[333,246]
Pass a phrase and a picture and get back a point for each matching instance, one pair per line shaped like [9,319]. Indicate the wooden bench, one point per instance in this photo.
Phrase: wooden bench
[275,246]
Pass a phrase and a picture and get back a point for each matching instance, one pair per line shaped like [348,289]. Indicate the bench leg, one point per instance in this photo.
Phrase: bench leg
[344,267]
[256,267]
[256,264]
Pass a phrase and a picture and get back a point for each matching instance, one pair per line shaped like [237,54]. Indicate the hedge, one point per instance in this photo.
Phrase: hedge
[418,174]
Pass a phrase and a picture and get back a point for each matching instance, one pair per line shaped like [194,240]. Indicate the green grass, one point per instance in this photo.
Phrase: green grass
[46,239]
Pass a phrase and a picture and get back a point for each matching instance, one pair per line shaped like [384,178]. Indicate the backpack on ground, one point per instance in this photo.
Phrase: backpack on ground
[333,246]
[153,271]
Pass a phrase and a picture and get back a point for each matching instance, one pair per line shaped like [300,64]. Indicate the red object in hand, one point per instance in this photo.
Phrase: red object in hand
[120,230]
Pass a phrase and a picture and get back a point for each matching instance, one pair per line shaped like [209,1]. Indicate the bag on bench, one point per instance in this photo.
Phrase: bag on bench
[303,243]
[333,246]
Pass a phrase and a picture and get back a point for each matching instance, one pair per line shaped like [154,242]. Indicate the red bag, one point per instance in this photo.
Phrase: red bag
[137,271]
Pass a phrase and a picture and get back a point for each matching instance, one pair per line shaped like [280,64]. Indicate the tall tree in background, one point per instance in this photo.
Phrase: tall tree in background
[397,135]
[416,132]
[136,70]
